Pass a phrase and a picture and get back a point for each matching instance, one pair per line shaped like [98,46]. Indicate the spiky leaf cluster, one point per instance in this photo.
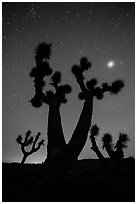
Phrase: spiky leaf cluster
[42,51]
[42,69]
[78,70]
[123,139]
[82,95]
[56,78]
[94,131]
[36,101]
[91,85]
[60,90]
[27,141]
[116,86]
[113,88]
[107,140]
[85,64]
[38,73]
[98,93]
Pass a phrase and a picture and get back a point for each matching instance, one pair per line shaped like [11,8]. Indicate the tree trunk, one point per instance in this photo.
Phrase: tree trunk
[56,140]
[99,154]
[95,148]
[111,153]
[80,134]
[24,159]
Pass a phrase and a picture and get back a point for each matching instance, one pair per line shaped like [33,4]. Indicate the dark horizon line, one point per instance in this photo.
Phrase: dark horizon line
[129,157]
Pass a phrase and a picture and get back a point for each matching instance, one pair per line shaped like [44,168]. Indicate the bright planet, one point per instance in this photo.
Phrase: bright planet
[110,64]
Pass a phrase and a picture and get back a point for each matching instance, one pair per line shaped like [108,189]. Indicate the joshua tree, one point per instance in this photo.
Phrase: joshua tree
[115,152]
[56,142]
[93,134]
[54,99]
[89,91]
[29,140]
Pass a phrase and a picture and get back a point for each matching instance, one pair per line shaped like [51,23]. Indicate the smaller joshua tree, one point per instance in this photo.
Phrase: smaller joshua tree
[115,152]
[29,140]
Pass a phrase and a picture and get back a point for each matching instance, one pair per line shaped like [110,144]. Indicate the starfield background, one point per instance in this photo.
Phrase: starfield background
[105,34]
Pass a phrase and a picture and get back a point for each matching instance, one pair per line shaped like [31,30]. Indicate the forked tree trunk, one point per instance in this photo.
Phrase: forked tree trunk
[110,152]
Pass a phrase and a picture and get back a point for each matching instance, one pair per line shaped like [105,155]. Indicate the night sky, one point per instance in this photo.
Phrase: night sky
[104,32]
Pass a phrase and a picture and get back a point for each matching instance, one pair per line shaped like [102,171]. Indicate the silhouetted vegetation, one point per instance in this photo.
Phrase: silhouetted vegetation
[93,134]
[29,140]
[115,152]
[61,177]
[89,90]
[120,145]
[54,99]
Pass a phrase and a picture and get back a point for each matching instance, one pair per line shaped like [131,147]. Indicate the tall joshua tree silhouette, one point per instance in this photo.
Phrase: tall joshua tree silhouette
[54,99]
[115,152]
[89,91]
[29,140]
